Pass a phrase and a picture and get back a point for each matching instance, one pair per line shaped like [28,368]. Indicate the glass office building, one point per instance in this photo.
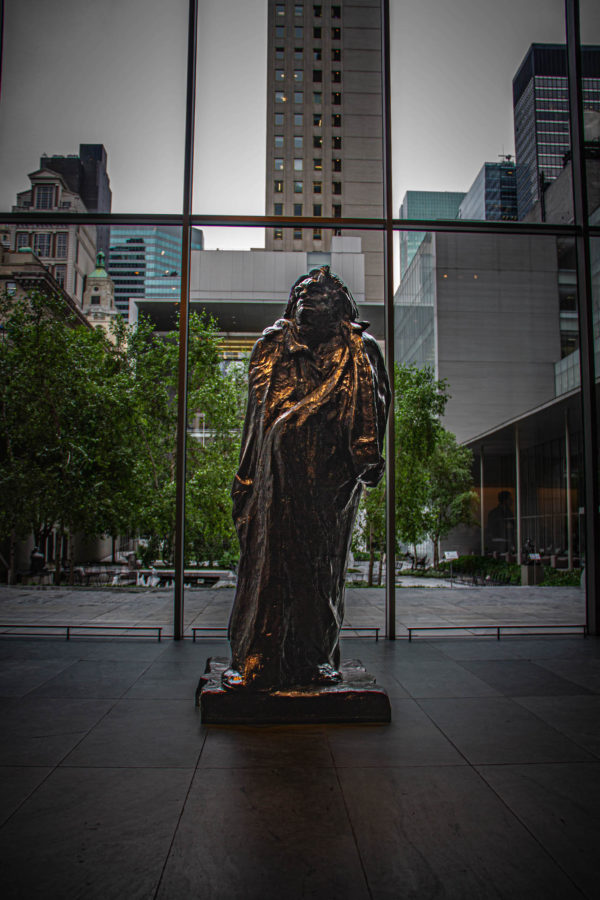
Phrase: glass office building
[493,194]
[424,205]
[541,114]
[146,262]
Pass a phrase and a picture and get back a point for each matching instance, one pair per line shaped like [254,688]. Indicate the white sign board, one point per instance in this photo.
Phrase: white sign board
[450,555]
[535,556]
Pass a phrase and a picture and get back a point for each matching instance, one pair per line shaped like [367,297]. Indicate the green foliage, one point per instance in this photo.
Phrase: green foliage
[561,577]
[88,430]
[433,472]
[483,566]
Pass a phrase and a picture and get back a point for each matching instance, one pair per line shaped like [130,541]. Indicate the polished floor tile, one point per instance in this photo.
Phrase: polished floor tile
[17,783]
[558,804]
[576,717]
[440,833]
[253,834]
[445,678]
[499,730]
[102,679]
[143,732]
[93,833]
[522,678]
[40,732]
[410,739]
[20,676]
[250,746]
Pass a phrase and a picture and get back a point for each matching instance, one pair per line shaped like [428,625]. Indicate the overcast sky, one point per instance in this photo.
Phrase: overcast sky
[113,72]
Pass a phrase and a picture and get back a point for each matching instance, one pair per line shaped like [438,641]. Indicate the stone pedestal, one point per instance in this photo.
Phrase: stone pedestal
[356,699]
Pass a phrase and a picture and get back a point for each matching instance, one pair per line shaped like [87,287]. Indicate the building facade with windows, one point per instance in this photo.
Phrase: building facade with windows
[86,175]
[493,194]
[146,262]
[69,252]
[324,123]
[424,205]
[541,116]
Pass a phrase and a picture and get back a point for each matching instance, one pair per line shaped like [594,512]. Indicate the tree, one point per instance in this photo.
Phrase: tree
[420,401]
[451,498]
[370,530]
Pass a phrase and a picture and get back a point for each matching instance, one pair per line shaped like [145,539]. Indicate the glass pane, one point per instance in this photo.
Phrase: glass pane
[90,409]
[346,122]
[590,39]
[484,134]
[496,317]
[83,96]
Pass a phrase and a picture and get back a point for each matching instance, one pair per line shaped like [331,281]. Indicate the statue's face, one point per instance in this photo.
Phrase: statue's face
[319,308]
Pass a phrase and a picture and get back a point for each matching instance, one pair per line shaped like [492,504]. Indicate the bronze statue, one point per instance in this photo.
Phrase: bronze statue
[318,398]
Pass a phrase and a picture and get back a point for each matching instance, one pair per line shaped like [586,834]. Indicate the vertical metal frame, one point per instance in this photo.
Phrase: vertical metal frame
[388,258]
[184,319]
[586,317]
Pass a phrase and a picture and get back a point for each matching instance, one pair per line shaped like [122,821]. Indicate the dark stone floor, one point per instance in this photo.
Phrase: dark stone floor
[485,785]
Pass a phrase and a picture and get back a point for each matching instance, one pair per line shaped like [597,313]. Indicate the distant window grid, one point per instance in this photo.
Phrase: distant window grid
[336,187]
[298,187]
[42,243]
[297,234]
[60,273]
[317,209]
[298,142]
[279,140]
[336,34]
[317,187]
[317,11]
[317,120]
[278,187]
[279,75]
[318,165]
[280,10]
[336,120]
[317,98]
[279,52]
[336,76]
[317,236]
[298,9]
[317,54]
[22,240]
[280,31]
[317,141]
[44,196]
[298,75]
[336,54]
[299,53]
[278,164]
[317,75]
[336,98]
[317,33]
[336,142]
[299,31]
[336,12]
[298,120]
[279,119]
[298,97]
[280,97]
[62,243]
[297,209]
[278,234]
[337,211]
[337,165]
[298,164]
[278,209]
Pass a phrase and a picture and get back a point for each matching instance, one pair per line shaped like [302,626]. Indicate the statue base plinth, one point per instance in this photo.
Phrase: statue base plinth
[355,699]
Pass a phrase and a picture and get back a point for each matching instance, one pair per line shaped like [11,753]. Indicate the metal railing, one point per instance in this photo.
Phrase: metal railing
[498,629]
[222,629]
[71,630]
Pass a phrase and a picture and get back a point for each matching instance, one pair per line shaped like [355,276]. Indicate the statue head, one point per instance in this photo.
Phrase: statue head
[318,302]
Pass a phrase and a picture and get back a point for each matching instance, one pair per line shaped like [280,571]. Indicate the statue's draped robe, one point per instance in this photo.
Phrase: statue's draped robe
[313,434]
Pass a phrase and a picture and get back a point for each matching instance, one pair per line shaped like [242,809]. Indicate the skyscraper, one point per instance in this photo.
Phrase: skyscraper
[541,114]
[493,194]
[87,176]
[324,148]
[424,205]
[146,262]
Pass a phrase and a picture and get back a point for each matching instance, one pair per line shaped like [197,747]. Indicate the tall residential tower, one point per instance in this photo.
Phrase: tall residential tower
[324,124]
